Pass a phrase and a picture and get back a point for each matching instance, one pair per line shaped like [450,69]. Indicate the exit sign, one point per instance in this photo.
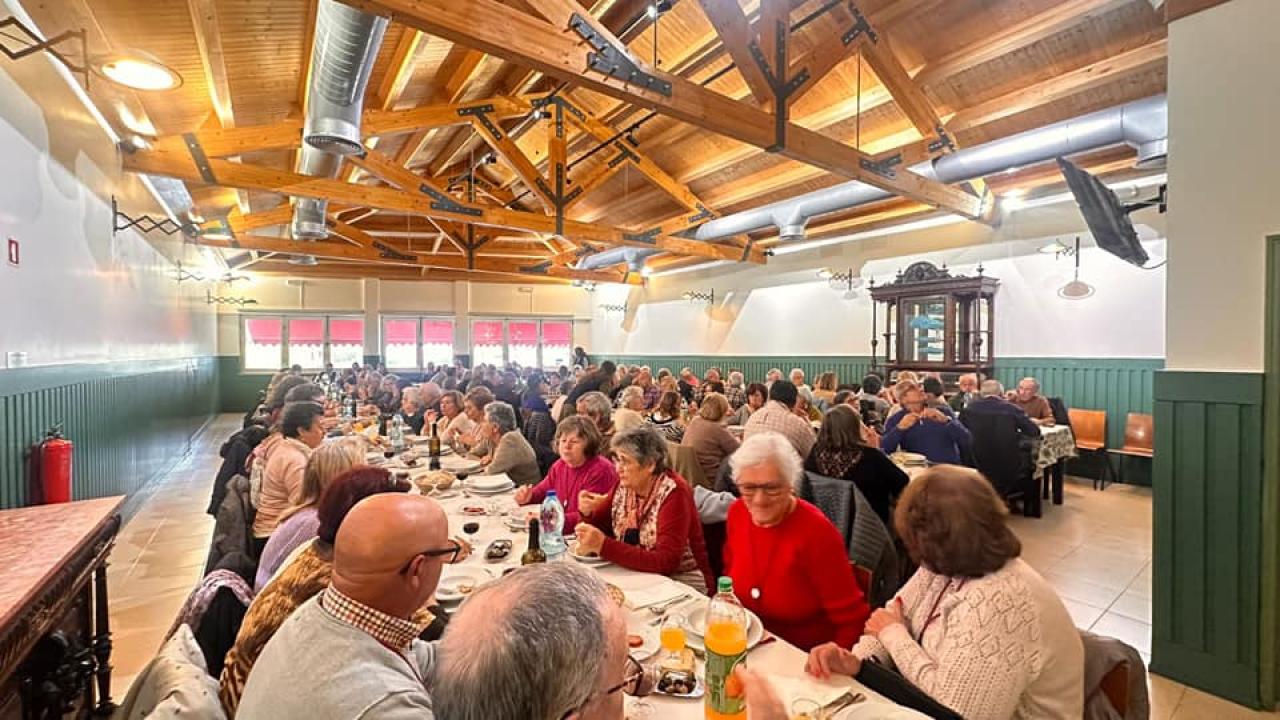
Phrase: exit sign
[14,257]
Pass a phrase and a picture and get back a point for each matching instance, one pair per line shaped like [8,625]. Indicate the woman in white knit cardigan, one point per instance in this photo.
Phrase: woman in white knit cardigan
[975,627]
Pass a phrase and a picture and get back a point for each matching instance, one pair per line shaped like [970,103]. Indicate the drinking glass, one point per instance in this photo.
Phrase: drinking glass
[805,709]
[672,635]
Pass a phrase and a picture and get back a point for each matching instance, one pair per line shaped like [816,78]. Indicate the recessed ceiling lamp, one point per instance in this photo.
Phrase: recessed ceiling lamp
[655,9]
[1077,289]
[138,70]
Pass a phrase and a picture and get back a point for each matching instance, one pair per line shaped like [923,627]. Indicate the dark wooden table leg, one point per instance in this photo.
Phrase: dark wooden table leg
[102,643]
[1059,473]
[1031,498]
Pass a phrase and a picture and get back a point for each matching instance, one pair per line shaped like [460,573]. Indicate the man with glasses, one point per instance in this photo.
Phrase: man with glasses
[544,643]
[353,651]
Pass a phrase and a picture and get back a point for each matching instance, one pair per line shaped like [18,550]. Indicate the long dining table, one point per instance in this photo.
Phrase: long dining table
[781,662]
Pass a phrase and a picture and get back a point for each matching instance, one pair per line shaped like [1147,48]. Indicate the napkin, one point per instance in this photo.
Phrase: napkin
[655,595]
[790,689]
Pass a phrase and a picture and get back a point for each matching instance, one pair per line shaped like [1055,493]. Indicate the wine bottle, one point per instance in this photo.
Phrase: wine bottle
[433,445]
[534,554]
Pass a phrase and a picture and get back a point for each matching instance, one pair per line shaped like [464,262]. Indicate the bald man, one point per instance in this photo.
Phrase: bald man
[353,651]
[507,653]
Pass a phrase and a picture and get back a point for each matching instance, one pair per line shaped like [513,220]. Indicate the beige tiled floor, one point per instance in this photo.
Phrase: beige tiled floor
[1095,549]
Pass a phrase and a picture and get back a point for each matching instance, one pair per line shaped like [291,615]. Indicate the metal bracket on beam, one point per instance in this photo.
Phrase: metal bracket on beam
[481,113]
[703,214]
[860,26]
[390,253]
[614,61]
[624,154]
[883,168]
[199,158]
[944,143]
[441,201]
[648,237]
[539,269]
[746,249]
[782,87]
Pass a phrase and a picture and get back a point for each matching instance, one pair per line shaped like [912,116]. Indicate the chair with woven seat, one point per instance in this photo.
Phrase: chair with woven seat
[1090,430]
[1139,438]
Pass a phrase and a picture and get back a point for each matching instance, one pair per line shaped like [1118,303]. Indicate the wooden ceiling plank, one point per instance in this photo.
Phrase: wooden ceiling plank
[1060,16]
[399,71]
[599,176]
[736,34]
[252,177]
[457,70]
[496,29]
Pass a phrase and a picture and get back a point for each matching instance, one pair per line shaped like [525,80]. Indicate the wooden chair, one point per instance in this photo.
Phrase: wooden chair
[1139,436]
[1090,429]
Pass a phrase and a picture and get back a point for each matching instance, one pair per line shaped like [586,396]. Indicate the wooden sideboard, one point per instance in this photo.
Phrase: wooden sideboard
[55,640]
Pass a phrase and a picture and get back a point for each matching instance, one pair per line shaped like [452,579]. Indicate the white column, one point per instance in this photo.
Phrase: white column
[372,304]
[462,318]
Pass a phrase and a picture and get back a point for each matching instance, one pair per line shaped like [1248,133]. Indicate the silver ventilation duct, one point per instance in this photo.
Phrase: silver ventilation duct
[1143,124]
[346,46]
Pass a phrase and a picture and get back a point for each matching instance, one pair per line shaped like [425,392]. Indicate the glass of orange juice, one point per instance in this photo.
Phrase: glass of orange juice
[672,636]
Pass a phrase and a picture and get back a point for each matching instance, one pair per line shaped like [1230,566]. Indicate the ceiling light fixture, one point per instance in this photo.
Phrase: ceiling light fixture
[138,70]
[657,9]
[1077,289]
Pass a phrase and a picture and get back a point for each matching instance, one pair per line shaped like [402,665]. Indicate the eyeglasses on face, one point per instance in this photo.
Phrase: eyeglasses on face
[772,491]
[451,552]
[630,685]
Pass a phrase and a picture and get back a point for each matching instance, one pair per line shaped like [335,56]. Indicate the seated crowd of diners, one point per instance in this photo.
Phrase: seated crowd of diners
[344,561]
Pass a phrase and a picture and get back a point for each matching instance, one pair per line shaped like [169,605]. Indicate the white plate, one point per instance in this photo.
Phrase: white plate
[695,620]
[652,642]
[488,482]
[699,689]
[585,559]
[456,575]
[909,458]
[494,491]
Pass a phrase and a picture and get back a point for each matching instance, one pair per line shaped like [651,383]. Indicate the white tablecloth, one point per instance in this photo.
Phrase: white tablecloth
[778,660]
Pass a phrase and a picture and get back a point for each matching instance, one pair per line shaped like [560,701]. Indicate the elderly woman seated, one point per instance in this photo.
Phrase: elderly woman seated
[473,405]
[631,408]
[788,562]
[842,452]
[649,522]
[512,454]
[710,439]
[975,627]
[596,407]
[757,396]
[580,467]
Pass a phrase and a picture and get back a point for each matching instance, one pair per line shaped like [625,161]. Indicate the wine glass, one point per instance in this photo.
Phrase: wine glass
[672,635]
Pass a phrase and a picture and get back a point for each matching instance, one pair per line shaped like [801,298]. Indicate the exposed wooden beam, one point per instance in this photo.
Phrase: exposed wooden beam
[204,16]
[287,134]
[506,148]
[599,176]
[399,71]
[308,44]
[818,62]
[736,34]
[1059,16]
[222,172]
[351,270]
[496,29]
[371,249]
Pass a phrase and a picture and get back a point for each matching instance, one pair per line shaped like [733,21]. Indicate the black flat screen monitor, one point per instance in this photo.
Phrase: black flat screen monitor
[1104,214]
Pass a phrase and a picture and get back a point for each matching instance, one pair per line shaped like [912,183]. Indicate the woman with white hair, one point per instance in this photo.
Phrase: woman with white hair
[630,412]
[512,454]
[787,561]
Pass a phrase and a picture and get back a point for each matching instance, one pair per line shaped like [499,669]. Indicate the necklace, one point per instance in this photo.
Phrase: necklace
[756,574]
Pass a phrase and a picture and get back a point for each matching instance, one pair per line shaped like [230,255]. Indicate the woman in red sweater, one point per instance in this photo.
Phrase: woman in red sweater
[649,523]
[580,467]
[787,561]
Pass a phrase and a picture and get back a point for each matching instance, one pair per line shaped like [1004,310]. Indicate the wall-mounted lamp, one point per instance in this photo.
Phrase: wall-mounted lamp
[848,280]
[587,285]
[146,223]
[31,43]
[708,297]
[211,299]
[616,308]
[1077,289]
[1058,249]
[205,275]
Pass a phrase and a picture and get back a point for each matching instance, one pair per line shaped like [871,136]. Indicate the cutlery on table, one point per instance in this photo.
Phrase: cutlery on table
[662,606]
[840,703]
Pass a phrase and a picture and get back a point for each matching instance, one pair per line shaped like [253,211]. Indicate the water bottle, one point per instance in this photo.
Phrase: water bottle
[397,433]
[726,643]
[552,517]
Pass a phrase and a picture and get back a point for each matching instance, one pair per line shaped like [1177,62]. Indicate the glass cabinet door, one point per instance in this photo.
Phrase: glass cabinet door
[924,322]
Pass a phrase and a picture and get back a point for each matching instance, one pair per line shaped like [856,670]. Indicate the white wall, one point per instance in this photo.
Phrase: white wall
[81,293]
[1224,107]
[799,314]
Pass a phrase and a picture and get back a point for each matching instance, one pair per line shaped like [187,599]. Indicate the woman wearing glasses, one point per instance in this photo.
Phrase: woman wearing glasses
[649,523]
[787,561]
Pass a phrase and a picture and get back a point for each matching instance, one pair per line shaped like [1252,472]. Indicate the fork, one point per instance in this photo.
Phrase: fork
[840,703]
[662,608]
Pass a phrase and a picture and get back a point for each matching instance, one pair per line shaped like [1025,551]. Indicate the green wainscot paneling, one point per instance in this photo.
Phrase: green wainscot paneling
[848,368]
[130,421]
[1208,520]
[1118,385]
[238,390]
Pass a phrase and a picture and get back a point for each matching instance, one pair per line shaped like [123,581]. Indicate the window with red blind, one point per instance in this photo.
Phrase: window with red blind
[271,342]
[437,341]
[306,342]
[488,342]
[346,341]
[522,342]
[400,343]
[262,338]
[557,339]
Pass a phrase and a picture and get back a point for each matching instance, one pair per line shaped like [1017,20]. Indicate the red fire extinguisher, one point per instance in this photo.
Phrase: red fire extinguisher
[51,466]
